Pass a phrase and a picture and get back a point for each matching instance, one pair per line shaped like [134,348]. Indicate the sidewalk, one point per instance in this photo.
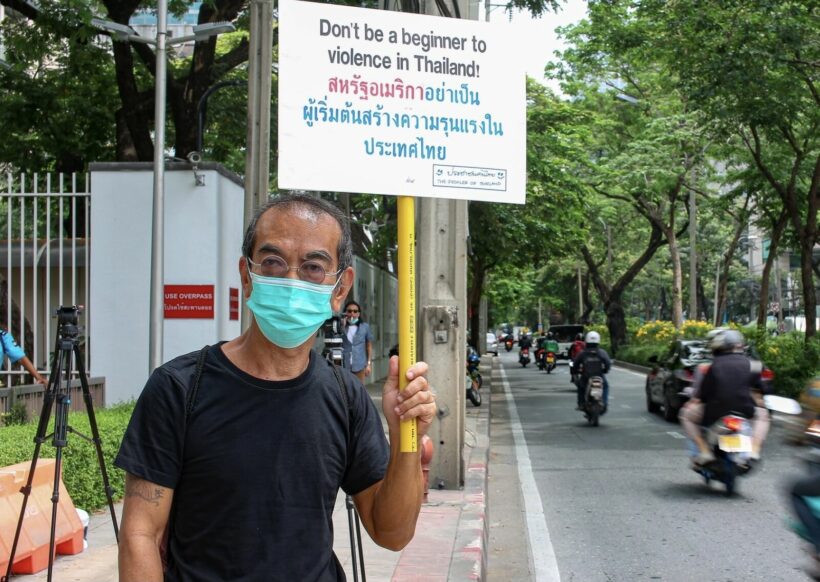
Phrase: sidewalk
[450,542]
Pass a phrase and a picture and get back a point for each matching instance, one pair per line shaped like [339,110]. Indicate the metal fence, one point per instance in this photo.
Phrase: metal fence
[44,230]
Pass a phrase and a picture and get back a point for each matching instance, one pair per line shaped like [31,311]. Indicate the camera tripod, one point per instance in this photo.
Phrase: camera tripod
[333,332]
[58,393]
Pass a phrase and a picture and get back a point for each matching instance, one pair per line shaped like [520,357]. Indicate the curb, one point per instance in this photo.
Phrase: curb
[630,366]
[469,560]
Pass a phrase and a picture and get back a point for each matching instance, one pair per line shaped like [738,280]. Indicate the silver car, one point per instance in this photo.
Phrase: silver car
[492,343]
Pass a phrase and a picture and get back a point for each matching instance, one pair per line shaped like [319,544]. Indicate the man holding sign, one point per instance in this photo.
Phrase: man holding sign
[235,454]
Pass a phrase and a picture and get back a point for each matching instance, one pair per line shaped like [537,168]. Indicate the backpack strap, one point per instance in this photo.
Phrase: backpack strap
[190,397]
[343,392]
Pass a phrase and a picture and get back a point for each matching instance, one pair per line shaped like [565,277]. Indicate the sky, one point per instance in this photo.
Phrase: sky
[539,34]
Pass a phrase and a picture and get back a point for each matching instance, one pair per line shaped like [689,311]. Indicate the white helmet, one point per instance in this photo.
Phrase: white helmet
[593,337]
[724,340]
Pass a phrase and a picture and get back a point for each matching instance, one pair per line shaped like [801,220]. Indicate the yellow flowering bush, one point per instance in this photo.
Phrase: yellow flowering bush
[694,329]
[664,331]
[655,332]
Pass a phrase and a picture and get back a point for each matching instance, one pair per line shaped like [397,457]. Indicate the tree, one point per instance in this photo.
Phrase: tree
[751,66]
[648,142]
[549,225]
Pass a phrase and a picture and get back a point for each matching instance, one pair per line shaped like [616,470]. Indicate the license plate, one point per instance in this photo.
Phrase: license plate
[735,443]
[596,393]
[550,359]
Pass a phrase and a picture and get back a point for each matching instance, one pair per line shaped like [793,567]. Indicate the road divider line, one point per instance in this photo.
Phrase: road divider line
[676,434]
[542,554]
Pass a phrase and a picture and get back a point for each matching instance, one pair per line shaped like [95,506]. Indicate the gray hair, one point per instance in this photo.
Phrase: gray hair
[344,251]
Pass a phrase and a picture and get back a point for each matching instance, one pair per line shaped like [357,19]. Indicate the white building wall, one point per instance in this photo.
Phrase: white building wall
[203,232]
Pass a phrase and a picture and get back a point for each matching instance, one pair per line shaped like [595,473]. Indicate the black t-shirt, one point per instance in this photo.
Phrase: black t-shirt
[257,470]
[727,387]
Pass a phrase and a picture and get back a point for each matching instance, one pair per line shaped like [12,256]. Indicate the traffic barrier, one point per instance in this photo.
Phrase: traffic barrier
[32,548]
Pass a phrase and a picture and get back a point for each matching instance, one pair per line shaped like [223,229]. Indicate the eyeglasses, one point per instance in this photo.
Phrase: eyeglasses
[275,266]
[352,311]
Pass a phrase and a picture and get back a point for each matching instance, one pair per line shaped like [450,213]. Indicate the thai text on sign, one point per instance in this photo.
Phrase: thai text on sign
[189,302]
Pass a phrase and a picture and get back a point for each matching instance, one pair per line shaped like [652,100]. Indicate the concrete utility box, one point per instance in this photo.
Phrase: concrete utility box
[203,239]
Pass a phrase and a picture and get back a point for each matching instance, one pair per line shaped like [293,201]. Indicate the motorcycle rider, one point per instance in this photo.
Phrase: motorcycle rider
[577,346]
[592,353]
[524,342]
[732,383]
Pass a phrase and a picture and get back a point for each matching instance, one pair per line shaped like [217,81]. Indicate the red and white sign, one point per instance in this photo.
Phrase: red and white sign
[233,304]
[189,302]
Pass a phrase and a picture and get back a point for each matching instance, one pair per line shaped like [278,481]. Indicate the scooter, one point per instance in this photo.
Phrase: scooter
[593,405]
[730,439]
[524,357]
[474,380]
[508,343]
[550,361]
[574,377]
[541,359]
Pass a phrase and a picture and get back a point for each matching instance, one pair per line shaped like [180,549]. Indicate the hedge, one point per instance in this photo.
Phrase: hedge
[81,472]
[793,360]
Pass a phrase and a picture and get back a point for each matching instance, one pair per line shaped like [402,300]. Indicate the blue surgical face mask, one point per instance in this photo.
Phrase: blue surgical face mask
[354,320]
[289,311]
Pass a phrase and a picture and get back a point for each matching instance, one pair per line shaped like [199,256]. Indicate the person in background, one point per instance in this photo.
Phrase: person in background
[592,361]
[577,346]
[15,354]
[357,343]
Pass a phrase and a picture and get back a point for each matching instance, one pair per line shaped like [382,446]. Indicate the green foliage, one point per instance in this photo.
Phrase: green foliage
[17,414]
[793,360]
[694,329]
[81,473]
[639,353]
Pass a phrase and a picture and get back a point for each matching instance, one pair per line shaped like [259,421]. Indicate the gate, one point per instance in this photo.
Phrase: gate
[44,235]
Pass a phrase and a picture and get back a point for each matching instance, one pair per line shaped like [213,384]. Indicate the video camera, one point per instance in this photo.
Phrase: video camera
[68,320]
[333,332]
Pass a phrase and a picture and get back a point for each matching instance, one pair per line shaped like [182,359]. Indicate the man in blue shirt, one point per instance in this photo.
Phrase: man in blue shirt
[16,354]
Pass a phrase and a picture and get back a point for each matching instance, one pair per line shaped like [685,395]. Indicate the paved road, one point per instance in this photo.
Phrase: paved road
[618,502]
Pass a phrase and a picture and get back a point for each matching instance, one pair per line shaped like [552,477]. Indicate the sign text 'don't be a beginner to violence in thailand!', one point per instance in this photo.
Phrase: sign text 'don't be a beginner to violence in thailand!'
[379,102]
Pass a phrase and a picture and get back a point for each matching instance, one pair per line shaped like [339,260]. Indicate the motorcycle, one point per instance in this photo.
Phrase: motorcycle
[524,357]
[551,361]
[541,358]
[508,343]
[593,405]
[573,374]
[731,443]
[474,380]
[730,439]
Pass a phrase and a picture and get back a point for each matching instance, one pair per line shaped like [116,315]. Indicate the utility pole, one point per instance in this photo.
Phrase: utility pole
[442,258]
[260,62]
[257,157]
[693,257]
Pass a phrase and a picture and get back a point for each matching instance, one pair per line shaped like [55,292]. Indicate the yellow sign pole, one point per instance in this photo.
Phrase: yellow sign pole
[407,309]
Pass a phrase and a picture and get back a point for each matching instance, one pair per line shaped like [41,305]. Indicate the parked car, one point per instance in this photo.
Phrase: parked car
[492,343]
[669,383]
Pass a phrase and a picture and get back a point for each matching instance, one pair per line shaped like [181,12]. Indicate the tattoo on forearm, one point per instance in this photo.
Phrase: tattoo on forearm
[145,491]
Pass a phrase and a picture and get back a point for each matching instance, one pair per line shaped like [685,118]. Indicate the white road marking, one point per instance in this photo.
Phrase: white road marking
[676,434]
[542,554]
[620,369]
[625,406]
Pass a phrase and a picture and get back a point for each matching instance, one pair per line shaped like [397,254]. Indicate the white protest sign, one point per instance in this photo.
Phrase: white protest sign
[380,102]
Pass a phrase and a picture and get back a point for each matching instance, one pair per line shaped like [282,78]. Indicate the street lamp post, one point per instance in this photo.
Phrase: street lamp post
[125,33]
